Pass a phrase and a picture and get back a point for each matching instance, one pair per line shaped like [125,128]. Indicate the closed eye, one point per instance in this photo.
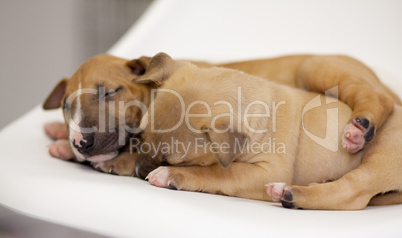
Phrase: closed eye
[112,92]
[65,104]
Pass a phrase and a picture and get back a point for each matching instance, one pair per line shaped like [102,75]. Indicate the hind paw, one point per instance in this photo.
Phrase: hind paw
[356,134]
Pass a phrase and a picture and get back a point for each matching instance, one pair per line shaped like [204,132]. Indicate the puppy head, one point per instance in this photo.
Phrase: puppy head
[101,105]
[180,127]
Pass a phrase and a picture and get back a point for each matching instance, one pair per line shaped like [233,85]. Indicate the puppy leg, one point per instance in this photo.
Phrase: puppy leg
[370,110]
[123,164]
[352,192]
[61,149]
[239,179]
[386,199]
[358,86]
[56,130]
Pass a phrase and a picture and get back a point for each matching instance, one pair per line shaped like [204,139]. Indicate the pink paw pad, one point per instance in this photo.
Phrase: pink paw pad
[280,192]
[356,133]
[275,191]
[159,177]
[353,138]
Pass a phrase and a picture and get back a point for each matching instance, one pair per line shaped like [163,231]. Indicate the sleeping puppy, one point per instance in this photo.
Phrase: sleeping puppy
[101,108]
[100,99]
[226,132]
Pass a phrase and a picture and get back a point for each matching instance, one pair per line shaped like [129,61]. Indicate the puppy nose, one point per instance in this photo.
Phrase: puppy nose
[86,145]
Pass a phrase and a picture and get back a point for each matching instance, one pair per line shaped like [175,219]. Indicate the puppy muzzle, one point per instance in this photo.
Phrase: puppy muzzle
[96,147]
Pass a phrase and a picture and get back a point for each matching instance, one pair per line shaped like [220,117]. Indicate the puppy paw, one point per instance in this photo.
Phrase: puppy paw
[121,165]
[356,133]
[160,177]
[61,149]
[275,191]
[280,192]
[103,167]
[287,198]
[56,130]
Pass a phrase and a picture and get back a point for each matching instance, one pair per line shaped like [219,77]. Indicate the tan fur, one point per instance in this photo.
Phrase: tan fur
[289,70]
[379,172]
[123,164]
[356,81]
[246,173]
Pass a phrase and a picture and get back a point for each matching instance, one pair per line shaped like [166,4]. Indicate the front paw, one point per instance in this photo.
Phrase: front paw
[356,134]
[61,149]
[161,177]
[275,191]
[123,165]
[104,167]
[280,192]
[56,130]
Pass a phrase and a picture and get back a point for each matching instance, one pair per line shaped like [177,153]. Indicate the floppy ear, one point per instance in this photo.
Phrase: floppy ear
[159,69]
[53,101]
[139,65]
[228,145]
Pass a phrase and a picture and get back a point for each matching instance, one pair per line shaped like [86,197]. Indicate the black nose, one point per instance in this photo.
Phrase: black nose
[87,144]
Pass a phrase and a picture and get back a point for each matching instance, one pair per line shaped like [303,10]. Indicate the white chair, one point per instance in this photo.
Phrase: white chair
[75,195]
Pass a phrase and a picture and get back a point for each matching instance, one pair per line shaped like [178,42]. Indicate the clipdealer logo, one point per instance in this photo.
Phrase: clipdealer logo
[331,139]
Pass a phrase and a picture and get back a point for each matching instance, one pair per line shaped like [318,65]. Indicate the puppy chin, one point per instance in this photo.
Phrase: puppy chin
[95,158]
[78,155]
[103,157]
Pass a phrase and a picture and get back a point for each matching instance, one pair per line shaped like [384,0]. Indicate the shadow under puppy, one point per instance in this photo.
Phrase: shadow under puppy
[226,132]
[102,107]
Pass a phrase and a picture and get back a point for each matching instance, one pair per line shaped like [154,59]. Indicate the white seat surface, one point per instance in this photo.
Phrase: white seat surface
[75,195]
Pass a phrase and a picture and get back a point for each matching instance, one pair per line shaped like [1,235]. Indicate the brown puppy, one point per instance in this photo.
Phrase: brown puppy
[101,108]
[226,132]
[317,73]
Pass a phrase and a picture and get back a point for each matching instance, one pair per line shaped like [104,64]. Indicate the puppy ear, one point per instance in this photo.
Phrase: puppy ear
[53,101]
[139,65]
[159,69]
[228,145]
